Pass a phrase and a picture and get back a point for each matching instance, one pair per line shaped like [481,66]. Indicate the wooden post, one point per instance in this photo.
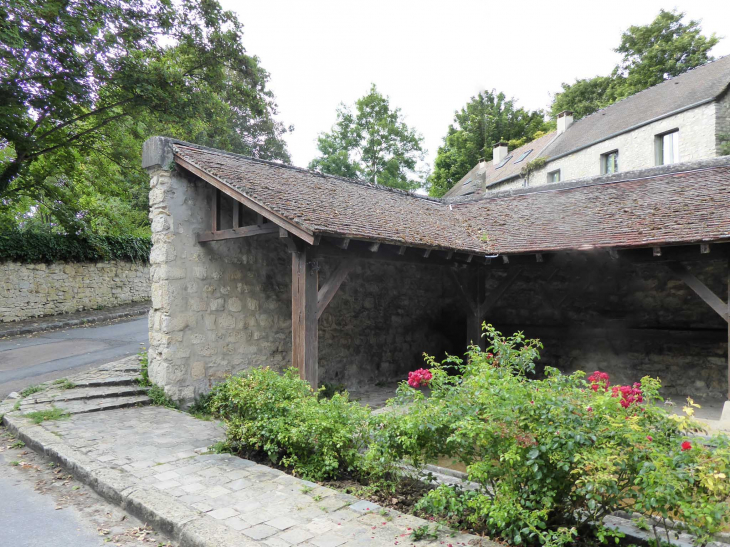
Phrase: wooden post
[216,210]
[304,315]
[728,331]
[474,330]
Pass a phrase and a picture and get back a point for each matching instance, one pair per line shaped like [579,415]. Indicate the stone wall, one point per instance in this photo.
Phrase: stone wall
[630,321]
[697,140]
[221,307]
[37,290]
[722,121]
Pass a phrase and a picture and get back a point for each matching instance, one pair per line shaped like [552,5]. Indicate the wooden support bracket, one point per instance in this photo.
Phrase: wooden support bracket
[332,285]
[702,290]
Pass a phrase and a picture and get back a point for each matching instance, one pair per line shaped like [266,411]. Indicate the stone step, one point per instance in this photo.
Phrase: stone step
[76,393]
[112,381]
[82,406]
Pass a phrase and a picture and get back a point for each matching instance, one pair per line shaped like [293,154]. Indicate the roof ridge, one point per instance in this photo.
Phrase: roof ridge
[708,63]
[373,185]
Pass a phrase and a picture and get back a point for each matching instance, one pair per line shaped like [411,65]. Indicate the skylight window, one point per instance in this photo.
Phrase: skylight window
[468,182]
[504,162]
[523,156]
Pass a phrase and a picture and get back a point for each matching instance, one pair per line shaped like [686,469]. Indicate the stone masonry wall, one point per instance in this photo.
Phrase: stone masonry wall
[630,321]
[37,290]
[722,122]
[635,149]
[221,307]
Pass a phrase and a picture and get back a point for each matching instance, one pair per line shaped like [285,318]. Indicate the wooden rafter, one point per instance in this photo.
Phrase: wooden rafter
[300,232]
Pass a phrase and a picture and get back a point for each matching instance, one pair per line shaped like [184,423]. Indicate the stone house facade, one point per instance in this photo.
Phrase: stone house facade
[261,264]
[690,112]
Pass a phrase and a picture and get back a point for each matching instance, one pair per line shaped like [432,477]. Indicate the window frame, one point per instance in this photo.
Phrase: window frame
[551,174]
[604,162]
[659,147]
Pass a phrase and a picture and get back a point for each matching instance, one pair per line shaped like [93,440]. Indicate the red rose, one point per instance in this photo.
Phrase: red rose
[686,445]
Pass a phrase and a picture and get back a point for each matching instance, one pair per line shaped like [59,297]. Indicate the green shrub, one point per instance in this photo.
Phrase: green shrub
[552,457]
[280,415]
[39,247]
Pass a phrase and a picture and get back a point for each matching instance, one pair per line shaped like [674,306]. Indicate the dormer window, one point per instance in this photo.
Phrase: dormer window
[609,163]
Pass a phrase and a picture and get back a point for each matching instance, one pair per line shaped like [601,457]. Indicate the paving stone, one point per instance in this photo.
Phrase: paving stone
[166,485]
[296,535]
[202,506]
[169,475]
[216,491]
[224,513]
[282,523]
[192,488]
[236,523]
[275,542]
[329,539]
[260,531]
[363,506]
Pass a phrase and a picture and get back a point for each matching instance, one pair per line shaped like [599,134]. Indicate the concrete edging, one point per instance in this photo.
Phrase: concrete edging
[62,323]
[188,527]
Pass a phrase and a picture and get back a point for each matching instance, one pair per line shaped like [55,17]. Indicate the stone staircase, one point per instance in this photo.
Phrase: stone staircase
[111,386]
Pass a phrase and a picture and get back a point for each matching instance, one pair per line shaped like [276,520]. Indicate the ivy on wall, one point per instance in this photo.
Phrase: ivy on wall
[33,247]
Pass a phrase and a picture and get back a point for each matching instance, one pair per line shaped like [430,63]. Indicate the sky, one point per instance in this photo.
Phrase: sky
[431,57]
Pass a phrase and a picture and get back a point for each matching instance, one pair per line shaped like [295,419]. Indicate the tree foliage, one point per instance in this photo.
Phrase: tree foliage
[84,82]
[485,120]
[651,53]
[371,142]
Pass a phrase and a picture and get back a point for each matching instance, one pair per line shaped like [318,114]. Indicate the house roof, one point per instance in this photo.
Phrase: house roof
[688,90]
[486,174]
[683,203]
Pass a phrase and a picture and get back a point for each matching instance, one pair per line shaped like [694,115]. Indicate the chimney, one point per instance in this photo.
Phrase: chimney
[499,153]
[565,120]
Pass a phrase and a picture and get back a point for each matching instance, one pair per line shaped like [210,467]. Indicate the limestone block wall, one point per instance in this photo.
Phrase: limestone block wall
[37,290]
[221,307]
[722,121]
[697,140]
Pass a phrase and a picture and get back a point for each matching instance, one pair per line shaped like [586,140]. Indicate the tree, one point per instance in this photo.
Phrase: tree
[72,69]
[485,120]
[658,51]
[373,143]
[650,54]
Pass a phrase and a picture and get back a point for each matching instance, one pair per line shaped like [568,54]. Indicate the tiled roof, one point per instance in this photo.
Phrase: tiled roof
[684,203]
[703,83]
[486,174]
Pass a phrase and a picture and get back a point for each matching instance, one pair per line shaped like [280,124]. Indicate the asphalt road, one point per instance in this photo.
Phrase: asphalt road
[26,360]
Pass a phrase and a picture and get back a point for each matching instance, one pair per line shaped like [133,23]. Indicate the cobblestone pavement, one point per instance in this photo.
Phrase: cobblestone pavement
[167,452]
[44,505]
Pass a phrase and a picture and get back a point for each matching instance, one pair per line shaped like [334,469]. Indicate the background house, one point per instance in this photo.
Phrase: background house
[686,118]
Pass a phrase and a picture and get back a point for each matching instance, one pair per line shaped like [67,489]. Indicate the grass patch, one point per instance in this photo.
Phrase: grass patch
[18,444]
[64,383]
[15,463]
[30,390]
[144,374]
[160,398]
[47,415]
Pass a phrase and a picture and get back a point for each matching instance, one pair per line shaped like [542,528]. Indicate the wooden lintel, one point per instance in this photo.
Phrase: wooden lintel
[373,247]
[426,253]
[402,250]
[243,231]
[702,290]
[304,316]
[256,207]
[332,285]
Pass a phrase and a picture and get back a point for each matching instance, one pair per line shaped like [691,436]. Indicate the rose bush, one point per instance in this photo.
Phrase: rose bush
[552,457]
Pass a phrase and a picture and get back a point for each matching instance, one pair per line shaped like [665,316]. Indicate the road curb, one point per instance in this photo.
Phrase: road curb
[62,323]
[190,528]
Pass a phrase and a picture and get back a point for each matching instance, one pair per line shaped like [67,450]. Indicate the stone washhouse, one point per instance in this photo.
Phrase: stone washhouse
[256,263]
